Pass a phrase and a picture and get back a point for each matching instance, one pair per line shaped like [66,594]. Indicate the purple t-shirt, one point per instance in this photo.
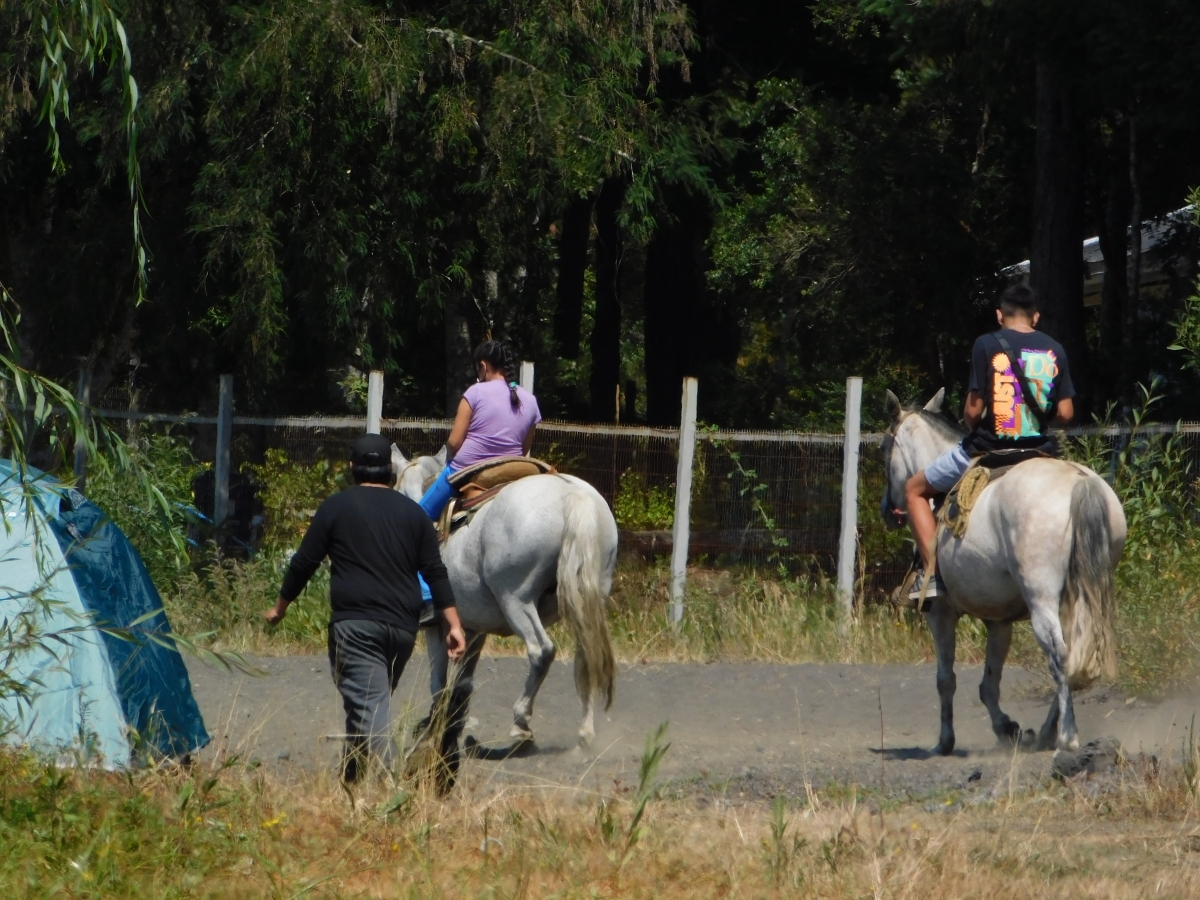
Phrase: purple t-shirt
[496,428]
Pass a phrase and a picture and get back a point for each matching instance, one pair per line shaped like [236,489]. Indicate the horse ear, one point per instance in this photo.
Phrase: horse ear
[893,407]
[441,456]
[935,403]
[398,460]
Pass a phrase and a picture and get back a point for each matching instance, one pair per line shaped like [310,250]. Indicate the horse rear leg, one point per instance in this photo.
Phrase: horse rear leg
[1059,729]
[999,639]
[942,620]
[540,650]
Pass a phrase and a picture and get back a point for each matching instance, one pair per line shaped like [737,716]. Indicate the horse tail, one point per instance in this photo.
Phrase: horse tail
[582,597]
[1088,607]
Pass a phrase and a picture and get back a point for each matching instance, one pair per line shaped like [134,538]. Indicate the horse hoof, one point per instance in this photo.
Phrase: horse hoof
[943,748]
[1010,734]
[586,738]
[521,735]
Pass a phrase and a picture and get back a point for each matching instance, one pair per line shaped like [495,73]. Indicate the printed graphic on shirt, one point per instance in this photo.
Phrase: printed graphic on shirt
[1011,416]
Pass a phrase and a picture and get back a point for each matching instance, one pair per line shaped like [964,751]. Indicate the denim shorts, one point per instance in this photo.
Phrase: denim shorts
[943,473]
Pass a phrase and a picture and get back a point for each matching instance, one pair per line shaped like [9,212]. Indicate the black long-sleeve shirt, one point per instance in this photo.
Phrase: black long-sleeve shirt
[376,540]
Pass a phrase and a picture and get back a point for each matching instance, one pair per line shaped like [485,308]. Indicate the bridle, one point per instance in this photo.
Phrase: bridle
[413,463]
[886,447]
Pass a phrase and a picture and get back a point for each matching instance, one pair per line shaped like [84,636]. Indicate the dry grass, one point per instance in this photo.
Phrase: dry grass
[730,615]
[237,832]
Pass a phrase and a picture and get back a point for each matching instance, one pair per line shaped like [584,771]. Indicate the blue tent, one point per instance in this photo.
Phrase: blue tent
[66,568]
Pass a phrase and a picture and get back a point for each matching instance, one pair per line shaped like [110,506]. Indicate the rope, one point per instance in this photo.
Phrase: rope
[956,511]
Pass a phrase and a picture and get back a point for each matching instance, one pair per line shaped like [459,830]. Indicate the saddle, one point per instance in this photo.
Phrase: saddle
[480,483]
[954,512]
[953,509]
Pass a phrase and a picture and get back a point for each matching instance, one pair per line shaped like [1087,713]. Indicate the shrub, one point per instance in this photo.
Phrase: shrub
[641,508]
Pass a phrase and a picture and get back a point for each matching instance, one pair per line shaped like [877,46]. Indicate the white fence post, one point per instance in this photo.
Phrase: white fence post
[527,375]
[848,542]
[683,499]
[374,401]
[224,442]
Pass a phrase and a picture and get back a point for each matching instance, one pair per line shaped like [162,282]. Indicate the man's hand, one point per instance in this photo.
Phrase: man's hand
[275,614]
[456,640]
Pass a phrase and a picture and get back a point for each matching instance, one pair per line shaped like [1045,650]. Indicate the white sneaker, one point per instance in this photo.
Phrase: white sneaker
[936,588]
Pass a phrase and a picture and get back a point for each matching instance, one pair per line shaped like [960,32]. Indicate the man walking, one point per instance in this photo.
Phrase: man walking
[377,540]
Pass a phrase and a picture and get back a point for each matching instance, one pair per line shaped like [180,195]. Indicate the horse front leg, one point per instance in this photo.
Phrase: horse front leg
[999,639]
[1059,728]
[942,620]
[540,651]
[439,660]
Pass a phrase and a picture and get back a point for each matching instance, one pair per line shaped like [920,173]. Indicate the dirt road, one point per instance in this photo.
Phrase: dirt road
[754,728]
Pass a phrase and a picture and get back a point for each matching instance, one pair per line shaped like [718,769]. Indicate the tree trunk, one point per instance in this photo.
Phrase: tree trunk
[460,365]
[1130,344]
[606,327]
[666,300]
[1056,262]
[572,266]
[1114,247]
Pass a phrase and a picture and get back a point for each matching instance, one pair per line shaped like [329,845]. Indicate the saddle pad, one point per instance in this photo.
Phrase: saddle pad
[1006,459]
[501,470]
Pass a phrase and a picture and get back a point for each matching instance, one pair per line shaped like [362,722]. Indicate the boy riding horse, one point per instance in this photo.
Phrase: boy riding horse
[1020,384]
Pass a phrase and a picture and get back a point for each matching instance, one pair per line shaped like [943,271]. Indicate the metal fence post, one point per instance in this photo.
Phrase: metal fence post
[848,541]
[683,499]
[224,442]
[83,396]
[527,376]
[374,401]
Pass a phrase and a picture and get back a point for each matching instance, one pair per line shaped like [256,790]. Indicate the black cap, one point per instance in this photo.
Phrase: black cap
[371,450]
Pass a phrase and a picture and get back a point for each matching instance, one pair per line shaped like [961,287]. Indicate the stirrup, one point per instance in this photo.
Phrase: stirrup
[926,588]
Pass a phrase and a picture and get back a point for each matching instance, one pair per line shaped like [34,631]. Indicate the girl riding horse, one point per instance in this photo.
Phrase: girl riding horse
[496,417]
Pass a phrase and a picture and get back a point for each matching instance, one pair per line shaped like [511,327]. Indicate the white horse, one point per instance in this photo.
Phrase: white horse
[1042,544]
[544,547]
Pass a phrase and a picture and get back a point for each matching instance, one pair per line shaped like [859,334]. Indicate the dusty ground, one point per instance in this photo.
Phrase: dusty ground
[752,730]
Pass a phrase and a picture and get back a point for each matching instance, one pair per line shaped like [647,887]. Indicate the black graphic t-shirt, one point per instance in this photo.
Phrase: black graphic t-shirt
[1008,422]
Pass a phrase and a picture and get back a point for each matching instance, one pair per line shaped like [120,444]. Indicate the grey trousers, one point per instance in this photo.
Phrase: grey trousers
[367,659]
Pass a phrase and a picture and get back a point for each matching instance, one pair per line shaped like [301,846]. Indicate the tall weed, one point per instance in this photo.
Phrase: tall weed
[1158,604]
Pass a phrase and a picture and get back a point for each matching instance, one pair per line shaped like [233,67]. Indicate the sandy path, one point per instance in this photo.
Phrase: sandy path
[758,727]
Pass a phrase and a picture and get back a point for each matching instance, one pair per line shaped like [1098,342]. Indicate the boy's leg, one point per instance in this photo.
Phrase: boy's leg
[938,477]
[917,494]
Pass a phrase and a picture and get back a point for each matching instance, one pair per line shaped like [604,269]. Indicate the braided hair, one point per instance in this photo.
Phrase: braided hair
[500,357]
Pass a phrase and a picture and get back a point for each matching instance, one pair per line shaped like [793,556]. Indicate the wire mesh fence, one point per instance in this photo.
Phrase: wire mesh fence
[768,500]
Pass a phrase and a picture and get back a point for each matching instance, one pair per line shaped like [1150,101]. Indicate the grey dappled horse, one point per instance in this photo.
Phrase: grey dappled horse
[543,548]
[1042,543]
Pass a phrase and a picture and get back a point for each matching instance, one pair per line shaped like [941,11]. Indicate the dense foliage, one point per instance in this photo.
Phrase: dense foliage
[629,190]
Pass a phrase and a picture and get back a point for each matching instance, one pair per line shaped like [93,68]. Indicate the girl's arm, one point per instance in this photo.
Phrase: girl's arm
[528,444]
[458,434]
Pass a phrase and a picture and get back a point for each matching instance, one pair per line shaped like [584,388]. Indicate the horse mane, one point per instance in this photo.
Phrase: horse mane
[943,426]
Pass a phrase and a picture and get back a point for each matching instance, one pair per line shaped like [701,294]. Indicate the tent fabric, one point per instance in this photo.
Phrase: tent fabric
[123,696]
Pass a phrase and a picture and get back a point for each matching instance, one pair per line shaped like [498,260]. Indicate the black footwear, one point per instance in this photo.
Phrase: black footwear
[936,588]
